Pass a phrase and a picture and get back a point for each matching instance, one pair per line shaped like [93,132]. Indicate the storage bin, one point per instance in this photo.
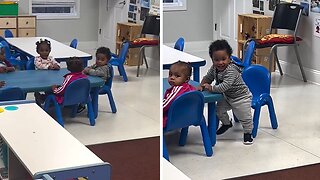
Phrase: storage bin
[8,9]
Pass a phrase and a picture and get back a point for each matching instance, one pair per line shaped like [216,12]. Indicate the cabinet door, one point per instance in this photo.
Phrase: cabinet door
[8,23]
[26,22]
[26,32]
[225,15]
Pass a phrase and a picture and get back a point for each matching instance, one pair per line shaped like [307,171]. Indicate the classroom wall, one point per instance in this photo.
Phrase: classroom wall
[194,24]
[84,29]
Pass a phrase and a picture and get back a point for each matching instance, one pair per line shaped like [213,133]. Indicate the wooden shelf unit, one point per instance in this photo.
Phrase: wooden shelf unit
[254,26]
[128,32]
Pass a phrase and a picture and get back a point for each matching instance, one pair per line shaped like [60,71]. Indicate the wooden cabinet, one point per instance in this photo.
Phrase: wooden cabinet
[128,32]
[20,26]
[254,26]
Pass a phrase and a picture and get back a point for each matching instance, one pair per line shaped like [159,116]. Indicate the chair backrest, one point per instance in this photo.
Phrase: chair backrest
[123,52]
[248,53]
[74,43]
[286,16]
[6,50]
[30,64]
[151,25]
[8,34]
[258,79]
[77,92]
[185,110]
[11,94]
[110,79]
[179,44]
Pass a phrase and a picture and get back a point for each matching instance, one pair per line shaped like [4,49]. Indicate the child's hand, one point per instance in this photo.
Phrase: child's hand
[10,69]
[2,83]
[3,69]
[55,67]
[207,87]
[86,70]
[199,88]
[53,87]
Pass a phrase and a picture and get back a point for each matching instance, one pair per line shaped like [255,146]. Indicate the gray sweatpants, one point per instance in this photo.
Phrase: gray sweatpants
[241,108]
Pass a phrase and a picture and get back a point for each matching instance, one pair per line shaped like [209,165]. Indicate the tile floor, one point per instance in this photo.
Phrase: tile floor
[296,142]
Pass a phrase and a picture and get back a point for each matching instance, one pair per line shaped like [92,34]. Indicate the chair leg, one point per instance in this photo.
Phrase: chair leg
[183,136]
[277,61]
[123,73]
[256,116]
[206,139]
[300,64]
[272,114]
[91,114]
[74,111]
[144,57]
[111,101]
[58,113]
[164,149]
[140,60]
[119,70]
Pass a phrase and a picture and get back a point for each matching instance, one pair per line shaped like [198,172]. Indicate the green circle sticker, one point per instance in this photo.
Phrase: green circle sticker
[11,108]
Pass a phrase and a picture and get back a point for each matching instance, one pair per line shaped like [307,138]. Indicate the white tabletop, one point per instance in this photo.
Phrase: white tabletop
[58,49]
[171,55]
[40,142]
[170,172]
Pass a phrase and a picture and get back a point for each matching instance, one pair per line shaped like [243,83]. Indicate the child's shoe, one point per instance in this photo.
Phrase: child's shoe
[224,128]
[247,139]
[81,107]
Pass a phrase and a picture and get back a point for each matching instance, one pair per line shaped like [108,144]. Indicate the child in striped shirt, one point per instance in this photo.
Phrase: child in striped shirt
[179,76]
[228,81]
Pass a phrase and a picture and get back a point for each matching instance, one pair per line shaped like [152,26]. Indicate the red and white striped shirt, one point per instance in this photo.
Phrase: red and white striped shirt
[170,95]
[68,78]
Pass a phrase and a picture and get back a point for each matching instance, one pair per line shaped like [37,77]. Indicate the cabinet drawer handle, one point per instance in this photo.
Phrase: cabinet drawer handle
[27,34]
[7,23]
[27,22]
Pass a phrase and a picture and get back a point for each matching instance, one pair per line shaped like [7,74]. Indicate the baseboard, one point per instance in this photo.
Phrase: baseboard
[293,70]
[193,46]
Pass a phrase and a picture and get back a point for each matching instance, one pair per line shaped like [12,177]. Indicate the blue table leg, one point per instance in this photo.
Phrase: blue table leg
[95,97]
[212,121]
[196,74]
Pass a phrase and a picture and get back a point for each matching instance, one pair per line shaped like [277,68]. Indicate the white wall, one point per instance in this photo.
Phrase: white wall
[195,24]
[85,28]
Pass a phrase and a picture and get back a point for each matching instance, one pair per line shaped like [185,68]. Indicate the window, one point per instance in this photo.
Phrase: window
[55,9]
[174,5]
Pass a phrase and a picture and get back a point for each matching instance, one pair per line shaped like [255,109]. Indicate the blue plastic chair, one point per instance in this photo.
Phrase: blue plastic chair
[187,110]
[120,60]
[12,58]
[106,89]
[258,79]
[12,94]
[179,45]
[74,43]
[78,92]
[30,64]
[8,33]
[249,47]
